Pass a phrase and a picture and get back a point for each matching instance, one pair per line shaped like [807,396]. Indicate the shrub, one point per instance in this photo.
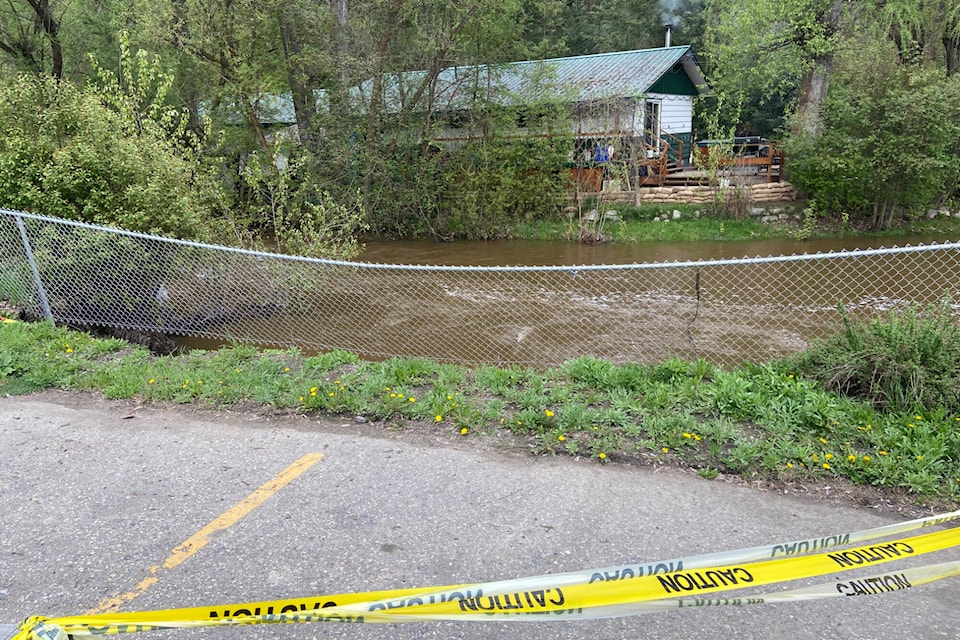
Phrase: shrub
[905,360]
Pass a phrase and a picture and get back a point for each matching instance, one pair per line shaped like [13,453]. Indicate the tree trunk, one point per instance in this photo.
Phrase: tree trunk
[304,103]
[52,29]
[813,92]
[816,80]
[952,47]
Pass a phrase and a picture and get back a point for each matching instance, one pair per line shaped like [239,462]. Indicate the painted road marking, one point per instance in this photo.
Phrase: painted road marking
[199,540]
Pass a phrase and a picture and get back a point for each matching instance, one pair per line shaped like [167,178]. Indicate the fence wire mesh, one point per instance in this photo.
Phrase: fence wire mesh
[726,311]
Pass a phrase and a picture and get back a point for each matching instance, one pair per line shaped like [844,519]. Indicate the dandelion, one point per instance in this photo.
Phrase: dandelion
[919,457]
[883,453]
[823,441]
[69,350]
[393,395]
[852,458]
[829,456]
[463,431]
[696,437]
[815,458]
[301,398]
[918,417]
[665,450]
[867,458]
[789,465]
[910,424]
[503,420]
[826,466]
[789,376]
[561,437]
[389,389]
[687,436]
[151,381]
[286,369]
[412,399]
[449,397]
[199,381]
[549,413]
[331,394]
[602,456]
[439,418]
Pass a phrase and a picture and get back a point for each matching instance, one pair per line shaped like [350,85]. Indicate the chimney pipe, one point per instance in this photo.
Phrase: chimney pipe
[667,37]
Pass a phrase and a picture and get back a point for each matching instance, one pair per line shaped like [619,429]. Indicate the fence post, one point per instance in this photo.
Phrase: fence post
[41,292]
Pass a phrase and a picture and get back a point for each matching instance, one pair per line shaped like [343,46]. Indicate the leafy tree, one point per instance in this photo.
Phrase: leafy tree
[891,144]
[111,154]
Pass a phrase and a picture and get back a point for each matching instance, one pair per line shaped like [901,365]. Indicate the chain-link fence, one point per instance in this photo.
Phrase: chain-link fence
[727,311]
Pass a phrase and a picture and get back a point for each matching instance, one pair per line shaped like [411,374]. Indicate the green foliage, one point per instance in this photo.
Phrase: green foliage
[906,360]
[889,145]
[113,153]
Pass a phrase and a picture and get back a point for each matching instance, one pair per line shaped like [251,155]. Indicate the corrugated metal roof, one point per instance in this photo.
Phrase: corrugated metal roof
[575,79]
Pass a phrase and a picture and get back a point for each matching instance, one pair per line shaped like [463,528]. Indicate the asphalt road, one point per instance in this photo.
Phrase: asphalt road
[97,496]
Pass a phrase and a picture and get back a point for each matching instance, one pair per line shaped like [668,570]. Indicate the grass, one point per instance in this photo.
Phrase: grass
[637,225]
[773,422]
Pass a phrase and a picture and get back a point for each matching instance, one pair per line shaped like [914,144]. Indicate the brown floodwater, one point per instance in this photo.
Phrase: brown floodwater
[725,313]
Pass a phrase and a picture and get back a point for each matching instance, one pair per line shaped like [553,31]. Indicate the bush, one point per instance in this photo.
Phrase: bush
[907,360]
[67,152]
[889,145]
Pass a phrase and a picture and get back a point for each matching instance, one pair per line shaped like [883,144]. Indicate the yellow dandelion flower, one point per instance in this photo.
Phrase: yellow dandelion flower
[602,456]
[852,458]
[910,424]
[665,450]
[439,418]
[919,457]
[918,417]
[826,466]
[823,441]
[412,399]
[151,381]
[883,453]
[69,350]
[866,458]
[393,395]
[449,397]
[789,465]
[549,413]
[286,369]
[687,435]
[331,394]
[829,456]
[561,437]
[815,458]
[301,398]
[463,431]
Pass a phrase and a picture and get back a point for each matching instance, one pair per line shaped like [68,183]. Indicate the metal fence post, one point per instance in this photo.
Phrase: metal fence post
[41,292]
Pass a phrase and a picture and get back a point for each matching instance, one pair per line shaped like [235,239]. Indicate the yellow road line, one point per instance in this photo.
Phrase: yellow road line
[200,539]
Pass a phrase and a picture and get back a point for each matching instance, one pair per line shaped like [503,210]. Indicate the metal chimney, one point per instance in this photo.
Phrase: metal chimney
[669,30]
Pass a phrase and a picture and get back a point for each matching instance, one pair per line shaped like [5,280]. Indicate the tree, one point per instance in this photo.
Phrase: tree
[893,142]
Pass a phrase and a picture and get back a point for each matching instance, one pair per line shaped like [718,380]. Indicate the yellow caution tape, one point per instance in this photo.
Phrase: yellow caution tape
[574,595]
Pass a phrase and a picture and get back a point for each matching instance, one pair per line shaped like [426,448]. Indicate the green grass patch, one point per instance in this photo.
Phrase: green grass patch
[780,421]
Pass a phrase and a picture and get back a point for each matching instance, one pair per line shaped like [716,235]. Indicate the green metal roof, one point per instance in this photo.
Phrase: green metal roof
[575,79]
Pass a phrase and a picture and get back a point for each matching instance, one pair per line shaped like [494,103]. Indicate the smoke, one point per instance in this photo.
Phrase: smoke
[671,11]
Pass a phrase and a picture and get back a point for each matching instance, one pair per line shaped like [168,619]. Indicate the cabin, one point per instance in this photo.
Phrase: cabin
[629,113]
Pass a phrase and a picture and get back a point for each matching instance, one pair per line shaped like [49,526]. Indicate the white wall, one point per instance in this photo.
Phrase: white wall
[676,112]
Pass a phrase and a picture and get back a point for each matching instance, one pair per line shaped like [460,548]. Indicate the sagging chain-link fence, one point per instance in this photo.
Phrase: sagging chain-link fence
[727,311]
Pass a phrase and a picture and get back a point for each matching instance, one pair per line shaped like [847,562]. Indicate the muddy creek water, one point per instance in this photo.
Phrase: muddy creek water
[547,252]
[728,314]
